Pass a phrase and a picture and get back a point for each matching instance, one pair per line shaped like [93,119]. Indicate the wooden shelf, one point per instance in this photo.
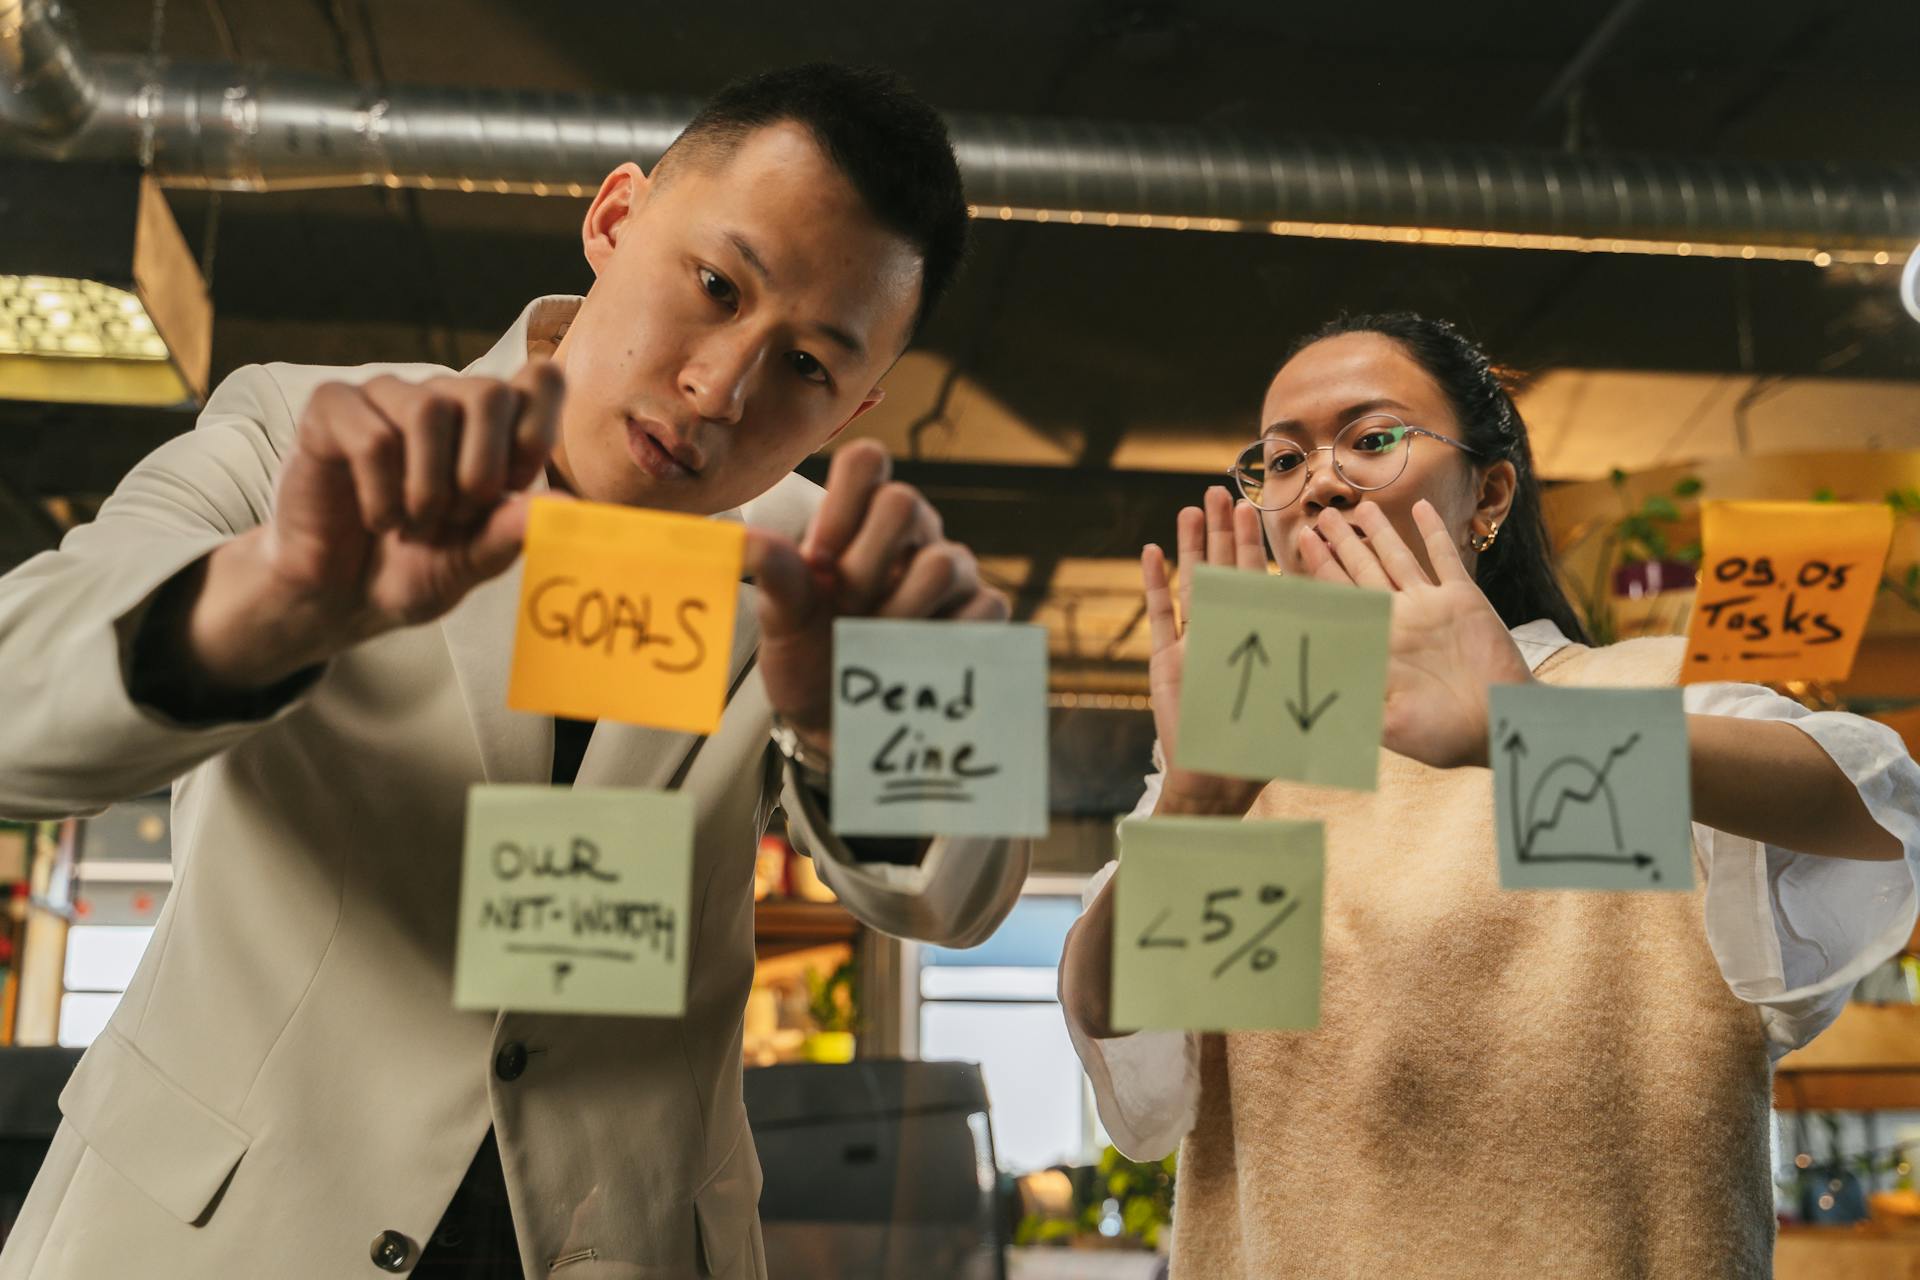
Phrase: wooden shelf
[801,920]
[784,925]
[1868,1060]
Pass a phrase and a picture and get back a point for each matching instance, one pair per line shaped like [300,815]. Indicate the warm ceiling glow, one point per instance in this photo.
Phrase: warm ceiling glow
[1442,236]
[81,319]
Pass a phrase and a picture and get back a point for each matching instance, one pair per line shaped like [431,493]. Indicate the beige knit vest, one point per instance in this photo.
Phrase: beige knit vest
[1503,1084]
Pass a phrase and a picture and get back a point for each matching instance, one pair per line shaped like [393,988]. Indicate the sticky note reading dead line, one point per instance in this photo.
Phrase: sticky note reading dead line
[1591,788]
[1785,589]
[574,900]
[626,615]
[939,728]
[1284,678]
[1217,924]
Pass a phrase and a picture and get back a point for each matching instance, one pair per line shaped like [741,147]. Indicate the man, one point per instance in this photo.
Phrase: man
[301,615]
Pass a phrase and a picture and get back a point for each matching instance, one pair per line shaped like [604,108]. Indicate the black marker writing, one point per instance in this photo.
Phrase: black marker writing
[615,624]
[1218,925]
[1573,781]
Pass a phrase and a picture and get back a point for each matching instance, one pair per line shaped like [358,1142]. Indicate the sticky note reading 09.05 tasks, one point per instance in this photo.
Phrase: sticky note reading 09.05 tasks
[1284,678]
[626,615]
[1785,589]
[574,900]
[1217,924]
[939,728]
[1591,788]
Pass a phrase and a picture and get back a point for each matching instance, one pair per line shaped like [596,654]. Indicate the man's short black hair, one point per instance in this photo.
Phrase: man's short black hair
[892,146]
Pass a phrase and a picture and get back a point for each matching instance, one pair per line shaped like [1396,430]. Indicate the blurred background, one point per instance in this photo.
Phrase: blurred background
[1681,226]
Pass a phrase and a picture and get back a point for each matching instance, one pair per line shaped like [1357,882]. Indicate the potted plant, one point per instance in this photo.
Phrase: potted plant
[833,1006]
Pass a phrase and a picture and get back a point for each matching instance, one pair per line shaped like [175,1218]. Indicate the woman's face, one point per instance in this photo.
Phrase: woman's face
[1340,379]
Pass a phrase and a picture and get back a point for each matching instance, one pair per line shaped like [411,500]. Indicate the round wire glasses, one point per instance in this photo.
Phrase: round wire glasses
[1369,453]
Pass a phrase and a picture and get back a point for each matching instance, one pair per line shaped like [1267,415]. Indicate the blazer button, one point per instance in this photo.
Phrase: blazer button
[510,1061]
[391,1250]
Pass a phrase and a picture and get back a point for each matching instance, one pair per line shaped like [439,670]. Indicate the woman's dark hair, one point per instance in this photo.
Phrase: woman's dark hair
[1517,572]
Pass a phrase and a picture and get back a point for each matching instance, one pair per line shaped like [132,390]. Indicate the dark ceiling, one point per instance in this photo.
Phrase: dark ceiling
[1081,332]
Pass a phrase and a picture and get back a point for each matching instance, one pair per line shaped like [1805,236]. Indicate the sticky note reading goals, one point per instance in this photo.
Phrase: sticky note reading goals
[1591,788]
[939,728]
[1785,589]
[626,615]
[1284,678]
[1217,925]
[574,900]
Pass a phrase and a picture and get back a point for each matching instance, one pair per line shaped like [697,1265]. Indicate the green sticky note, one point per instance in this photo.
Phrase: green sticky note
[1284,678]
[939,728]
[1591,788]
[1217,924]
[574,900]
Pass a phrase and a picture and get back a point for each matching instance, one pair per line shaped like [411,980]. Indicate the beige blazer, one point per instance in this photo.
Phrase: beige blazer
[286,1084]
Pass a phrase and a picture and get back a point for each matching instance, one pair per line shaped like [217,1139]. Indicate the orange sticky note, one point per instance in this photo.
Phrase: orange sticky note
[626,615]
[1785,589]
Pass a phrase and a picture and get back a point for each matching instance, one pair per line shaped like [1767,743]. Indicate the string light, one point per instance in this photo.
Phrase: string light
[1450,236]
[1071,701]
[1313,230]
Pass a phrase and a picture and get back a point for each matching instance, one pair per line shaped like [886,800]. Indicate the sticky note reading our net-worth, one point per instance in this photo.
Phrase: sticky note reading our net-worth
[626,615]
[939,728]
[1217,924]
[1591,788]
[1284,678]
[1785,589]
[574,900]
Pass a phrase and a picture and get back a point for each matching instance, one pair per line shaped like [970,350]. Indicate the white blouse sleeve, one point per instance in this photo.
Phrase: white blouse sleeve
[1146,1085]
[1794,932]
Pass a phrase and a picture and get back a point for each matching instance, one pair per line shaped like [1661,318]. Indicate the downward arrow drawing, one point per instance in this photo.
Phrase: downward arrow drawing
[1245,653]
[1302,717]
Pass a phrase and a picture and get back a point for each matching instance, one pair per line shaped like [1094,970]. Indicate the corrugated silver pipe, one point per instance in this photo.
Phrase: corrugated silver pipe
[234,129]
[44,86]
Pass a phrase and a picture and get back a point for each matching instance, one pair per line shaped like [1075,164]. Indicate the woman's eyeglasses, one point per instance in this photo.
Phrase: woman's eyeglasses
[1369,453]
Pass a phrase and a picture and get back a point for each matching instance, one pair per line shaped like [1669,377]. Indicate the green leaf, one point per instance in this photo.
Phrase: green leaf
[1823,494]
[1618,477]
[1688,486]
[1660,508]
[1137,1215]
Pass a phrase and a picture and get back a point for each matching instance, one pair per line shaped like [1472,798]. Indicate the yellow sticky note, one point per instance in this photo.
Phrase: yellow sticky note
[626,615]
[574,900]
[1785,589]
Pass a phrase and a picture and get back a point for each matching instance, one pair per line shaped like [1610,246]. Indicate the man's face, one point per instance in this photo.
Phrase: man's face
[742,312]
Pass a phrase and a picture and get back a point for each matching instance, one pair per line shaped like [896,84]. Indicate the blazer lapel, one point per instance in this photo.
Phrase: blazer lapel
[515,746]
[627,755]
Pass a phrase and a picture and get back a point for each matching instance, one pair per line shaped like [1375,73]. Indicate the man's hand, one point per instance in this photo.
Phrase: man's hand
[875,549]
[397,499]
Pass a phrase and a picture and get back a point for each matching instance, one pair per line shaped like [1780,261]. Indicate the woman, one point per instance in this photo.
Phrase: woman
[1502,1083]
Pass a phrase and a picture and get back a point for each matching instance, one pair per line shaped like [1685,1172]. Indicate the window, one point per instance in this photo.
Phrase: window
[996,1005]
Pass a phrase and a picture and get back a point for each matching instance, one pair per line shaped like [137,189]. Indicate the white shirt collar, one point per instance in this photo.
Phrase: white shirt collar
[1539,640]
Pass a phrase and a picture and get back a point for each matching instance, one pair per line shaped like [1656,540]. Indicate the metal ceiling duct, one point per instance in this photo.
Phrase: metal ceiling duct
[232,128]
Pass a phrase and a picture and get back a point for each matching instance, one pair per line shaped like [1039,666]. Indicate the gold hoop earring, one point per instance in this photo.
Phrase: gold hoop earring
[1481,541]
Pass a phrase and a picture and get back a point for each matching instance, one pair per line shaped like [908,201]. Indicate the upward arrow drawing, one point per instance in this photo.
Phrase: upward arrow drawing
[1246,653]
[1301,716]
[1516,747]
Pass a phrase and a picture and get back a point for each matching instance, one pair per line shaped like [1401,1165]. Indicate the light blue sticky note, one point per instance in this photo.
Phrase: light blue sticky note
[1591,788]
[574,900]
[939,728]
[1217,924]
[1284,678]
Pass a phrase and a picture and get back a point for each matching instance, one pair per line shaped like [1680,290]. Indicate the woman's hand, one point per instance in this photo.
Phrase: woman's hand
[1447,645]
[1223,534]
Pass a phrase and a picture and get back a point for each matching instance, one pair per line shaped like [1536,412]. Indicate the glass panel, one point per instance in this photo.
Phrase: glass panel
[1031,936]
[103,957]
[83,1016]
[956,982]
[1032,1075]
